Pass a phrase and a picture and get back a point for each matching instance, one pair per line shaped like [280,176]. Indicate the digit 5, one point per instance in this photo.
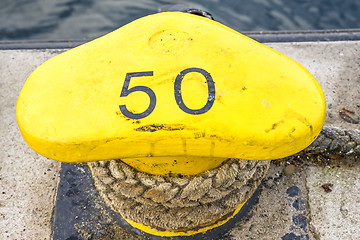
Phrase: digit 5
[126,91]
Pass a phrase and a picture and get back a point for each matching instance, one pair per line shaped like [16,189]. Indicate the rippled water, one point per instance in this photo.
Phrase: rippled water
[87,19]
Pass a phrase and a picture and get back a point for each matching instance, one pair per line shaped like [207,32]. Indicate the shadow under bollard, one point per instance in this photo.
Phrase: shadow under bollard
[81,213]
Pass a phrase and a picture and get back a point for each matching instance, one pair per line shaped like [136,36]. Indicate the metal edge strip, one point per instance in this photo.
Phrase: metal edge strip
[263,37]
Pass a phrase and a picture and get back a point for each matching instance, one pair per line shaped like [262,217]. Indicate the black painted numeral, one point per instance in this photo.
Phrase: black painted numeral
[126,91]
[177,93]
[211,91]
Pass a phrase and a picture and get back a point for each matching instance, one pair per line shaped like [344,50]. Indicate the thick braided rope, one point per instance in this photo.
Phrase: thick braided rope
[177,203]
[336,141]
[185,203]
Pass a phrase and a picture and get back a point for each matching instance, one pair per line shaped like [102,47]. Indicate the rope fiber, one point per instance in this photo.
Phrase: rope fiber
[191,202]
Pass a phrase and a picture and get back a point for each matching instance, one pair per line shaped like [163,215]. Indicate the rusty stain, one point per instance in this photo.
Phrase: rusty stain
[158,127]
[327,187]
[292,114]
[290,134]
[184,147]
[199,134]
[212,149]
[349,116]
[274,126]
[119,113]
[220,138]
[218,98]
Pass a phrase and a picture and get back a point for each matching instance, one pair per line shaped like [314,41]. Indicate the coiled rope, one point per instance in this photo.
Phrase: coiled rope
[177,203]
[191,202]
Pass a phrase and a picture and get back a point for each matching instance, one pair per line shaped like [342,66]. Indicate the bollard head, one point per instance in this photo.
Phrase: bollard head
[167,88]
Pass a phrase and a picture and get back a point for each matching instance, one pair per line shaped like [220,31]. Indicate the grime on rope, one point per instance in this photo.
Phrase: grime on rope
[336,141]
[190,202]
[177,203]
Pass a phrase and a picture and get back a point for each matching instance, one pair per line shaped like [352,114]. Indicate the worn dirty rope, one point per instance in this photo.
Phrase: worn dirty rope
[336,141]
[189,202]
[177,203]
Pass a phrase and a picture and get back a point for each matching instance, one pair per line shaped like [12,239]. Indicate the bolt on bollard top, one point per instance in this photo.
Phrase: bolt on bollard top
[170,94]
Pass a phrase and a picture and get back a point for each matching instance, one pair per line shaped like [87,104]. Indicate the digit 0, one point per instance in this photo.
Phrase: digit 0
[211,91]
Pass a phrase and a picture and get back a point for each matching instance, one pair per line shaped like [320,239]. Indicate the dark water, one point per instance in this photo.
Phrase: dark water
[87,19]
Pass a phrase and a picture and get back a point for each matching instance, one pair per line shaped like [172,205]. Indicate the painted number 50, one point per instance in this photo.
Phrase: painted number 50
[177,93]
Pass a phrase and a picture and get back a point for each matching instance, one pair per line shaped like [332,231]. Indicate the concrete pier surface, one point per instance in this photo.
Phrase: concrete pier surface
[313,199]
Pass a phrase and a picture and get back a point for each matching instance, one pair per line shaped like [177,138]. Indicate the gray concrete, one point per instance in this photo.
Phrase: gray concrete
[309,211]
[272,217]
[28,182]
[336,214]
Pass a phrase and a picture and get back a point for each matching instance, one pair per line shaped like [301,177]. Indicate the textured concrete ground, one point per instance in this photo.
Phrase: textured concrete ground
[28,181]
[317,201]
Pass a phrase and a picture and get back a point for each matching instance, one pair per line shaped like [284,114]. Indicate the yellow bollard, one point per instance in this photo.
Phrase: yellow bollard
[171,94]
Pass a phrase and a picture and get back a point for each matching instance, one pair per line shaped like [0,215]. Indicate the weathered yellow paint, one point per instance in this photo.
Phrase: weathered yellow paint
[266,105]
[167,233]
[173,166]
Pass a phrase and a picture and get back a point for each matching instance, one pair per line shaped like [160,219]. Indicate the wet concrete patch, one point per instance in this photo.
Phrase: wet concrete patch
[293,191]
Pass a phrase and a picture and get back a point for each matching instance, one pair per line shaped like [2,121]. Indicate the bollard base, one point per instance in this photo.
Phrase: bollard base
[200,230]
[81,213]
[178,206]
[215,232]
